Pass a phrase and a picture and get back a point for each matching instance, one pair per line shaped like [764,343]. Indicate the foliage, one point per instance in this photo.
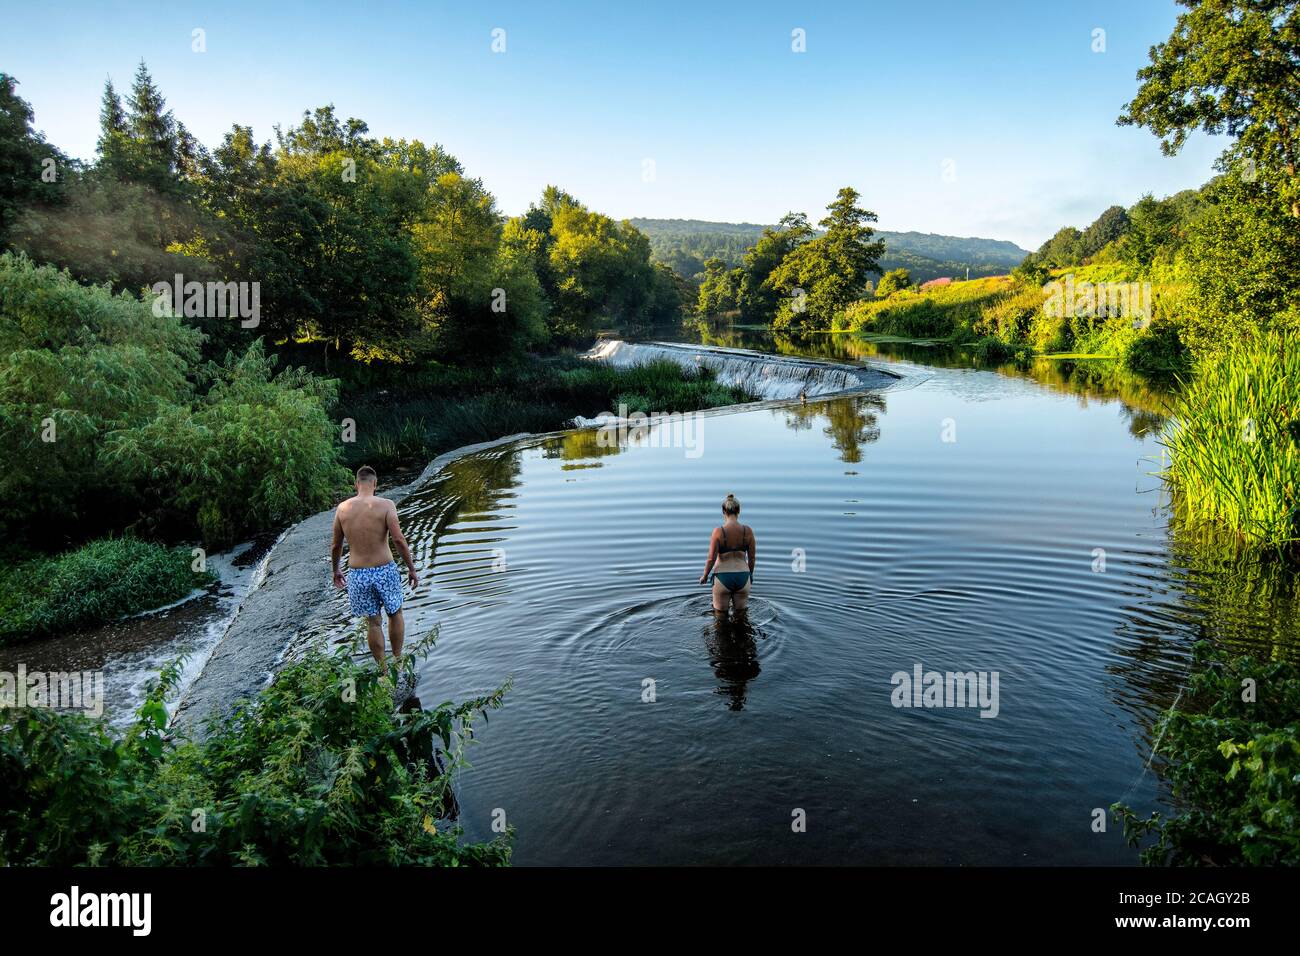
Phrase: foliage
[1234,762]
[317,770]
[597,271]
[892,281]
[24,157]
[442,413]
[108,403]
[98,582]
[258,451]
[1242,263]
[823,275]
[756,295]
[1235,442]
[77,364]
[1229,67]
[718,288]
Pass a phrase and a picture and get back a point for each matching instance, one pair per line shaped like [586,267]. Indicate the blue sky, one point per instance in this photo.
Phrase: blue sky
[1007,97]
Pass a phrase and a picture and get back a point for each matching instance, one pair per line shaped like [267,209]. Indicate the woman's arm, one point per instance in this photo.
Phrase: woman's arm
[752,551]
[713,555]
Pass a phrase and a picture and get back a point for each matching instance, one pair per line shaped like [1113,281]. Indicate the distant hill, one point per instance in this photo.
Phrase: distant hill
[684,244]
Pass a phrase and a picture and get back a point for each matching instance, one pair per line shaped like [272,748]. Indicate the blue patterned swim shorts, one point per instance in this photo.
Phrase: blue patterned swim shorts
[370,587]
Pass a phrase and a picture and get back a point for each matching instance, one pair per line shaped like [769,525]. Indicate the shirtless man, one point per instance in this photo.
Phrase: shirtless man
[367,522]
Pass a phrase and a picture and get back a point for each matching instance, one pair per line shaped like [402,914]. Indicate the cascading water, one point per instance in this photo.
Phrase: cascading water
[767,376]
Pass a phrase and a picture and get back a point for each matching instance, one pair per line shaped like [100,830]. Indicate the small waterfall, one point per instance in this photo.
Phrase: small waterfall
[767,376]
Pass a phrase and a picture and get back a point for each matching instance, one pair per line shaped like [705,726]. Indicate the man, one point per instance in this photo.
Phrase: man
[367,521]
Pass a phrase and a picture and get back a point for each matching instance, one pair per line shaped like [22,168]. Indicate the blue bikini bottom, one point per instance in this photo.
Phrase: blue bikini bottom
[732,580]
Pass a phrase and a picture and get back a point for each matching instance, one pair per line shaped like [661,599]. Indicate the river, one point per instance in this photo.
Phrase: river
[955,520]
[1003,523]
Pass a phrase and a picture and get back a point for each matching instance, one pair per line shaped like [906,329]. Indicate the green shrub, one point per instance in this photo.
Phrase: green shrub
[76,365]
[1235,441]
[1159,351]
[258,451]
[1234,765]
[105,402]
[98,582]
[316,770]
[992,351]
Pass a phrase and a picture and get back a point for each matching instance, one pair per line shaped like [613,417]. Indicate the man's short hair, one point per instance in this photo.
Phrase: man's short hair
[366,473]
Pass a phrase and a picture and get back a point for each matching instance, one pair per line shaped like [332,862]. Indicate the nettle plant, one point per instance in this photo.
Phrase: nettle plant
[317,769]
[1233,761]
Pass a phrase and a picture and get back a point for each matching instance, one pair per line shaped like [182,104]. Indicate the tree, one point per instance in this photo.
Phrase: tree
[23,159]
[597,270]
[152,147]
[1063,249]
[1242,257]
[113,145]
[823,275]
[1230,66]
[717,289]
[337,263]
[1151,228]
[755,296]
[892,281]
[1105,229]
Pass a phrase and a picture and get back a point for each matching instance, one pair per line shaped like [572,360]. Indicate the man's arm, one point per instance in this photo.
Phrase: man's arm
[395,532]
[336,550]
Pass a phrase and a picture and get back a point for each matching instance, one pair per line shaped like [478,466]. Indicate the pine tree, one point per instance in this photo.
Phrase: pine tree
[152,130]
[113,139]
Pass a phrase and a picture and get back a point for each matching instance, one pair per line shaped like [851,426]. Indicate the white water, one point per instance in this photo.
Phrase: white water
[134,674]
[766,376]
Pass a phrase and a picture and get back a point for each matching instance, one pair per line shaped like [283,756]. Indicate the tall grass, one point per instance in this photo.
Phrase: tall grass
[1235,442]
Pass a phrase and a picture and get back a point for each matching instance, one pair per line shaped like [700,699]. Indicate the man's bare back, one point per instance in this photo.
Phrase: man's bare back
[367,522]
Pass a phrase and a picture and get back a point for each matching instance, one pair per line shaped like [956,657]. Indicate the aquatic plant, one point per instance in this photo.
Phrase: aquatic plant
[1235,442]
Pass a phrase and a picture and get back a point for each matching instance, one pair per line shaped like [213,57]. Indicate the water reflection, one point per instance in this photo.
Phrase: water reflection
[581,449]
[732,643]
[1145,401]
[851,422]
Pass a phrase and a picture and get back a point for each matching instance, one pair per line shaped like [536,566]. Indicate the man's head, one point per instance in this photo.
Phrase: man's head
[366,479]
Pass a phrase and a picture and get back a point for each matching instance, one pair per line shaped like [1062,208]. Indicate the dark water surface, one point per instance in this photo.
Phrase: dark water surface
[881,546]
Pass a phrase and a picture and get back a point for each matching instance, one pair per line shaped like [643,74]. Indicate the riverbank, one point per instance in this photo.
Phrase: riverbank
[399,418]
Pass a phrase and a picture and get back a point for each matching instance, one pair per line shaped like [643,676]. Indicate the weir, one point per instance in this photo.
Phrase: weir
[767,376]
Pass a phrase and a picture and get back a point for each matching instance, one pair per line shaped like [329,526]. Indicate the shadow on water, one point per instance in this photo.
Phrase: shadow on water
[732,642]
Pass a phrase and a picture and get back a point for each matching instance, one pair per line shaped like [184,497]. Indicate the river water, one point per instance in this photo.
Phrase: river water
[1004,523]
[959,520]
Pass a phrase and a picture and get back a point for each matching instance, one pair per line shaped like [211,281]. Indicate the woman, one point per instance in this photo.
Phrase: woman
[731,559]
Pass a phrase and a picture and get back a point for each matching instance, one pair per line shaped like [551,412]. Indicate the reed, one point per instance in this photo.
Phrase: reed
[1235,442]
